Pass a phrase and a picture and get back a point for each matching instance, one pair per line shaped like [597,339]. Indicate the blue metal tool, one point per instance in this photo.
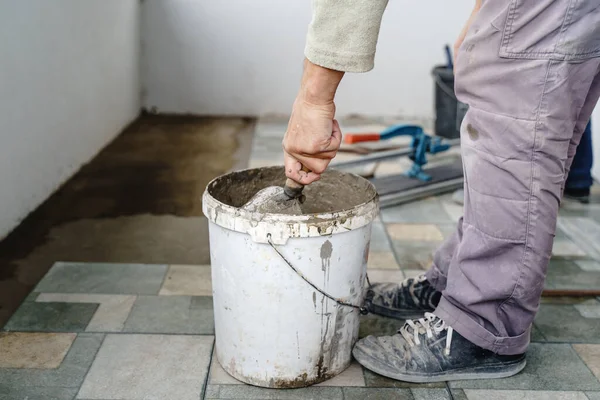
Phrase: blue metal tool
[421,144]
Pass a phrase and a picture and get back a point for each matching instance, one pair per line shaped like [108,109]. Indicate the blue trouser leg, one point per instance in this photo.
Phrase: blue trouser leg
[580,175]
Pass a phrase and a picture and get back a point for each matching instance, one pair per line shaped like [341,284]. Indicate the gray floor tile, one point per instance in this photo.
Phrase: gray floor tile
[149,366]
[379,239]
[549,367]
[560,234]
[271,130]
[563,274]
[212,392]
[537,335]
[584,231]
[171,314]
[103,278]
[266,160]
[111,314]
[523,395]
[428,211]
[431,394]
[591,211]
[566,248]
[589,309]
[352,377]
[374,380]
[385,275]
[454,210]
[259,163]
[266,145]
[563,323]
[458,394]
[264,150]
[376,325]
[244,392]
[588,265]
[51,317]
[377,394]
[447,230]
[218,376]
[187,280]
[37,393]
[590,354]
[382,260]
[202,302]
[415,255]
[593,395]
[415,233]
[69,374]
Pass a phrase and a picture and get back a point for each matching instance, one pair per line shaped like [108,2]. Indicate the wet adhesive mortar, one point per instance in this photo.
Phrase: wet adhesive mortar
[287,288]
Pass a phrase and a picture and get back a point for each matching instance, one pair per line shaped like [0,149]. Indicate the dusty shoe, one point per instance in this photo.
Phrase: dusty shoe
[428,350]
[409,299]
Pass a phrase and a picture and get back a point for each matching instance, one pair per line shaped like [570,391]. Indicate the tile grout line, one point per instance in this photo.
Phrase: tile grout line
[210,361]
[91,363]
[540,332]
[162,282]
[583,361]
[547,341]
[389,242]
[449,390]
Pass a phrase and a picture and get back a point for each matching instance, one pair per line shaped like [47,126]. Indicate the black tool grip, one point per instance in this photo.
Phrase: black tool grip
[293,189]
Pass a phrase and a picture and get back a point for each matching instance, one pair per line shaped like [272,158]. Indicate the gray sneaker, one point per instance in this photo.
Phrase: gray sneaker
[410,299]
[428,350]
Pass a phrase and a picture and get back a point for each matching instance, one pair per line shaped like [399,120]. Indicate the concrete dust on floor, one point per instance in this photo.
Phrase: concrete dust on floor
[138,200]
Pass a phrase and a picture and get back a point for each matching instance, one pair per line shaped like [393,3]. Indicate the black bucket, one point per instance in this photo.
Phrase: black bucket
[449,112]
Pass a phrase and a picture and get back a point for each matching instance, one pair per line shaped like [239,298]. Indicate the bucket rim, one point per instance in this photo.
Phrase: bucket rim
[278,228]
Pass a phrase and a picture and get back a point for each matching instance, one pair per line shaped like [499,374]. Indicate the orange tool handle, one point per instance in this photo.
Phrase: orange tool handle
[351,138]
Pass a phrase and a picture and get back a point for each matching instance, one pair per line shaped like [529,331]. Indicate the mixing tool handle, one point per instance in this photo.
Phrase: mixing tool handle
[292,188]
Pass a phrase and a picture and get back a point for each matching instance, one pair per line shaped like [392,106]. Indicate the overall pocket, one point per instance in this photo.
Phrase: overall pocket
[565,30]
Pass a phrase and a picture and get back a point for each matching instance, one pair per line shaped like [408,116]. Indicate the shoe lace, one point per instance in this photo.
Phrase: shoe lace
[410,283]
[417,279]
[429,325]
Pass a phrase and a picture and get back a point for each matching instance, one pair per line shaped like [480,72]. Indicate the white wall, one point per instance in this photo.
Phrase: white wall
[245,57]
[69,82]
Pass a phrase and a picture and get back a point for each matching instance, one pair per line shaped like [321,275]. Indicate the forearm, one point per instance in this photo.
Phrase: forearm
[319,84]
[343,34]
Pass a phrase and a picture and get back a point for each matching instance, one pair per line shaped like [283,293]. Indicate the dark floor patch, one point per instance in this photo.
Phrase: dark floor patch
[131,203]
[52,317]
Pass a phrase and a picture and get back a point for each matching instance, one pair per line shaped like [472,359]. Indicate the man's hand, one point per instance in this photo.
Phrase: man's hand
[313,136]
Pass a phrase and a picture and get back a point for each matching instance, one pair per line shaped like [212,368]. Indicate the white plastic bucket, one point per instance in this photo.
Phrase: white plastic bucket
[273,329]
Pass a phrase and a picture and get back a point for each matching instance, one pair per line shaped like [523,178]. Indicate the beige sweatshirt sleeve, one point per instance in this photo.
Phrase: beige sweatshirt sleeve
[343,34]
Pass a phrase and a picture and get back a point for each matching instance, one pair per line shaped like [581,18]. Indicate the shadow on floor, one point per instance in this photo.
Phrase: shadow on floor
[138,200]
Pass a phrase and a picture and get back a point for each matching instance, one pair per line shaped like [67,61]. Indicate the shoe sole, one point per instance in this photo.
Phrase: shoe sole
[484,372]
[401,315]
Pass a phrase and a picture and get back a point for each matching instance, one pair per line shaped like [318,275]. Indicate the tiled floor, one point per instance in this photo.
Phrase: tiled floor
[134,331]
